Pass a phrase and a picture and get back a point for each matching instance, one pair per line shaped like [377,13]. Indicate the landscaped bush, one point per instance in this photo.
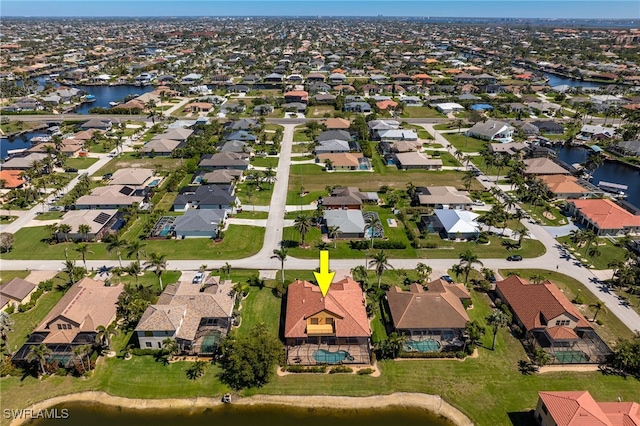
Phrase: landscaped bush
[427,354]
[305,369]
[11,309]
[341,369]
[380,244]
[365,371]
[142,352]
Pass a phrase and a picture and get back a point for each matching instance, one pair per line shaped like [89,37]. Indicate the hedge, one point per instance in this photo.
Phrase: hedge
[305,369]
[427,354]
[379,244]
[341,369]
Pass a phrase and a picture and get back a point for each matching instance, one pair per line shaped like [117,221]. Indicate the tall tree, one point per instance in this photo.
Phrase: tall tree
[39,354]
[83,249]
[497,319]
[380,263]
[281,255]
[467,259]
[137,248]
[302,224]
[333,232]
[597,307]
[6,326]
[117,244]
[372,224]
[158,262]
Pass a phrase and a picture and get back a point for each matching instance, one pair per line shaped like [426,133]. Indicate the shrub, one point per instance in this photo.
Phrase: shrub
[11,309]
[61,372]
[427,354]
[365,371]
[461,355]
[466,303]
[341,369]
[599,321]
[46,285]
[305,368]
[430,245]
[142,352]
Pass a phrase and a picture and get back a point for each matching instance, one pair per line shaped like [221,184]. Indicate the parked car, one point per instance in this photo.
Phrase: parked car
[514,258]
[198,278]
[56,208]
[478,203]
[447,278]
[71,170]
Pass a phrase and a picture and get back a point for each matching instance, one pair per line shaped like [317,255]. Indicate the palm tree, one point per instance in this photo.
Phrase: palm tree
[380,263]
[83,249]
[51,230]
[467,179]
[104,335]
[359,273]
[196,370]
[6,326]
[371,223]
[170,346]
[593,163]
[467,260]
[423,271]
[536,278]
[333,232]
[157,261]
[226,268]
[302,224]
[117,244]
[497,319]
[597,307]
[473,334]
[134,270]
[65,228]
[81,352]
[281,255]
[39,353]
[84,229]
[136,248]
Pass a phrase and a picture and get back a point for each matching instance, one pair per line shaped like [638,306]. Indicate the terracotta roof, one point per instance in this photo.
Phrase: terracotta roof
[606,214]
[578,408]
[543,166]
[337,123]
[562,184]
[12,178]
[535,304]
[561,333]
[437,307]
[344,299]
[342,159]
[622,413]
[386,104]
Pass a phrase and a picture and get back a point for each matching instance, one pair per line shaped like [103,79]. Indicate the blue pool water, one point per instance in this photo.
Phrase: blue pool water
[153,183]
[323,356]
[422,345]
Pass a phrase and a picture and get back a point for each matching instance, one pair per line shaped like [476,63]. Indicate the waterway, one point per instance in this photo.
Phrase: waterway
[20,142]
[82,414]
[106,94]
[558,80]
[610,171]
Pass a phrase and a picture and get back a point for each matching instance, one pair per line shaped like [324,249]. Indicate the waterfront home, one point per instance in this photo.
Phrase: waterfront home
[543,166]
[97,124]
[627,148]
[596,132]
[564,187]
[113,197]
[349,198]
[130,176]
[431,318]
[442,197]
[196,315]
[604,217]
[350,223]
[492,130]
[549,126]
[510,148]
[578,408]
[550,321]
[23,161]
[331,329]
[74,320]
[416,160]
[99,223]
[15,293]
[199,223]
[225,160]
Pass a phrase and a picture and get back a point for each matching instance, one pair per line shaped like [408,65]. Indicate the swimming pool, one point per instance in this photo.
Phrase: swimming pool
[153,183]
[429,345]
[324,356]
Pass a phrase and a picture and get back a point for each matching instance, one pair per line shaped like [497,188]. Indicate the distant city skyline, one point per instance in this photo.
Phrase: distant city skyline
[560,9]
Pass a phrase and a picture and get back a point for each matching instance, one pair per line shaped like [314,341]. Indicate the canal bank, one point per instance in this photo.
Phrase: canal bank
[401,408]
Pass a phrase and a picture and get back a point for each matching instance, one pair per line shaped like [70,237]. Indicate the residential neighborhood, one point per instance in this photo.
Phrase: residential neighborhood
[438,214]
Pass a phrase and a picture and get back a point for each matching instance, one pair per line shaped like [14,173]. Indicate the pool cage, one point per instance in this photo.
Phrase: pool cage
[378,230]
[310,354]
[588,349]
[163,227]
[433,340]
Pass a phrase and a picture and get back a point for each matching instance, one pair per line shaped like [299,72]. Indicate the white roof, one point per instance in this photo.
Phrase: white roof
[348,221]
[455,221]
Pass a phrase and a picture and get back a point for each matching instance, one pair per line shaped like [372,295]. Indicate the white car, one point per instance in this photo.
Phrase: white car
[478,203]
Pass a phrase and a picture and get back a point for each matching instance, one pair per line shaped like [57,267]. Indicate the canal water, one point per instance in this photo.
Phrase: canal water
[106,94]
[20,142]
[610,171]
[82,414]
[557,80]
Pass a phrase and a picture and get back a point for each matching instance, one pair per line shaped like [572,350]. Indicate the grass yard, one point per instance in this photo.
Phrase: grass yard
[301,148]
[257,198]
[6,276]
[450,249]
[248,214]
[166,202]
[421,112]
[608,252]
[80,162]
[486,388]
[130,159]
[447,158]
[265,161]
[300,136]
[536,212]
[49,215]
[320,111]
[260,306]
[465,143]
[273,127]
[612,328]
[422,133]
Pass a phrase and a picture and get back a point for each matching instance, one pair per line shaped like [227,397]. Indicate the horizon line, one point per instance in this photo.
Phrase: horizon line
[321,16]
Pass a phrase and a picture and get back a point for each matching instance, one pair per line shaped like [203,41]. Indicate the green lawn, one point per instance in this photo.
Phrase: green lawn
[49,215]
[273,127]
[249,214]
[486,388]
[447,158]
[300,136]
[6,276]
[420,112]
[239,241]
[536,212]
[465,143]
[422,133]
[265,161]
[260,306]
[301,148]
[130,159]
[80,163]
[608,252]
[4,219]
[612,328]
[257,198]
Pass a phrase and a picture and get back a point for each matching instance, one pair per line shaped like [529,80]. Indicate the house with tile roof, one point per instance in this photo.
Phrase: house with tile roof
[349,198]
[350,223]
[12,179]
[16,292]
[332,329]
[550,321]
[131,176]
[443,197]
[543,166]
[200,223]
[578,408]
[564,187]
[434,312]
[225,160]
[416,160]
[492,130]
[346,161]
[100,224]
[159,146]
[197,316]
[74,320]
[604,217]
[113,197]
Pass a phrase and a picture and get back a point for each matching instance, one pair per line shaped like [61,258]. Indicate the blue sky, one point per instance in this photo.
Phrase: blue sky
[451,8]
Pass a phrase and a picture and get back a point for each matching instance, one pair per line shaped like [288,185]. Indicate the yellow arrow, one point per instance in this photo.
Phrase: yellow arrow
[324,277]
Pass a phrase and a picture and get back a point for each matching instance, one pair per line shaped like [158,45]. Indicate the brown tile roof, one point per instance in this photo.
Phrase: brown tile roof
[17,289]
[606,214]
[622,413]
[575,408]
[535,304]
[342,159]
[87,304]
[437,307]
[543,166]
[337,123]
[561,184]
[344,299]
[12,178]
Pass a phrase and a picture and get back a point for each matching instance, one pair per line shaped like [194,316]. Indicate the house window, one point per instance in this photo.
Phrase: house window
[314,321]
[212,321]
[148,344]
[59,326]
[148,333]
[328,321]
[159,345]
[539,418]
